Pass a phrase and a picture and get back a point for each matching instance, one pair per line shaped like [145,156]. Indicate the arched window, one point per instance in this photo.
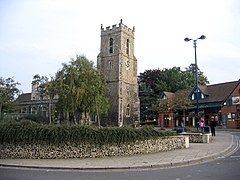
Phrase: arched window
[34,110]
[127,47]
[128,91]
[110,65]
[128,110]
[111,45]
[24,110]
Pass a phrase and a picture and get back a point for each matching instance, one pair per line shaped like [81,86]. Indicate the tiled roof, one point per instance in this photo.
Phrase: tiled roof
[204,89]
[214,93]
[219,92]
[24,97]
[182,93]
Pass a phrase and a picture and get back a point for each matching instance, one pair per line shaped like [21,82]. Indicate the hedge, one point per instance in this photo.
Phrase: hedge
[28,132]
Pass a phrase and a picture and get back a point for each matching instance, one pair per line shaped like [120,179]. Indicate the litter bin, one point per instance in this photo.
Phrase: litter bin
[180,130]
[207,129]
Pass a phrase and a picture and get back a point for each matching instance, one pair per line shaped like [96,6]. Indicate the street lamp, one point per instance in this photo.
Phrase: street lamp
[196,66]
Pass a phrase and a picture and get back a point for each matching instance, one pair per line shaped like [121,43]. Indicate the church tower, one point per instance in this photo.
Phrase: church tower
[116,61]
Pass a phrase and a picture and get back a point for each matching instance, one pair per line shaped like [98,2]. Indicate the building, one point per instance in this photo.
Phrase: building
[117,62]
[220,101]
[33,103]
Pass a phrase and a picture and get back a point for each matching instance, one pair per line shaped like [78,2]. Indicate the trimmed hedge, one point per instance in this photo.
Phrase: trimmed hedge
[28,132]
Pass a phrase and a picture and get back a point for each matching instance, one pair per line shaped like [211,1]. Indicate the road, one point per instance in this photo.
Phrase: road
[225,167]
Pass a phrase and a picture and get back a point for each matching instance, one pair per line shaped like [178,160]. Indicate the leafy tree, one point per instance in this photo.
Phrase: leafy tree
[152,83]
[8,92]
[179,101]
[149,78]
[190,76]
[170,80]
[46,88]
[80,89]
[147,98]
[51,91]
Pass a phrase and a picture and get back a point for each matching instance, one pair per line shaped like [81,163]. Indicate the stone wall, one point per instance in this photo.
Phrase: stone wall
[39,151]
[198,137]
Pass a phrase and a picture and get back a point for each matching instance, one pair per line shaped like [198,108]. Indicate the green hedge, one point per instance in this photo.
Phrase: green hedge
[28,132]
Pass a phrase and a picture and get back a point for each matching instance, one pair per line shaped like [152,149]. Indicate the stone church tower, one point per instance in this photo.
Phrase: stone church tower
[117,62]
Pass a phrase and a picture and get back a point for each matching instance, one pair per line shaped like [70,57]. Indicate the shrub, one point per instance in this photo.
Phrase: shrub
[187,129]
[28,132]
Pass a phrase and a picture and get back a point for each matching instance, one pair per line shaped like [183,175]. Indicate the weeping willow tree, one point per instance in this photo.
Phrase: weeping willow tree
[81,91]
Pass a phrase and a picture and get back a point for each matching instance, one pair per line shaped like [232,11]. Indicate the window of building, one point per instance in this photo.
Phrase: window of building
[128,110]
[24,110]
[121,113]
[127,47]
[111,45]
[198,94]
[128,91]
[193,96]
[229,102]
[34,110]
[134,66]
[110,65]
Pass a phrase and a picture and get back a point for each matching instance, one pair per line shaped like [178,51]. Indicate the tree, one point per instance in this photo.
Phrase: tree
[51,91]
[190,76]
[152,83]
[80,90]
[8,92]
[147,98]
[179,101]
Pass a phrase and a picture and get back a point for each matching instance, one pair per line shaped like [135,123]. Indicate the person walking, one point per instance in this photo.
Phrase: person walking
[201,124]
[212,126]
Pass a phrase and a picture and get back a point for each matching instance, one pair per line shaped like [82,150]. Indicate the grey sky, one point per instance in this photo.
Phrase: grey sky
[36,36]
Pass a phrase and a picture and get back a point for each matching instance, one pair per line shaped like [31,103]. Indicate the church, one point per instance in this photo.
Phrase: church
[117,62]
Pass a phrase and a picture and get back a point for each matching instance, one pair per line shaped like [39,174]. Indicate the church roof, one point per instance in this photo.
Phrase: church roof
[24,97]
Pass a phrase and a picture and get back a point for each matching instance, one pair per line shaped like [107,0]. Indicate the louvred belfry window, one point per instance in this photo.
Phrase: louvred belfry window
[127,47]
[111,45]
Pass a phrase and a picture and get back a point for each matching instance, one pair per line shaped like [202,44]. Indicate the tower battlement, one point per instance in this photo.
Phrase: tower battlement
[115,27]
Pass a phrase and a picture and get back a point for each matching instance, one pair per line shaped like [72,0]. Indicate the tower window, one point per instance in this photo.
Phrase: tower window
[128,110]
[128,91]
[127,47]
[110,65]
[111,45]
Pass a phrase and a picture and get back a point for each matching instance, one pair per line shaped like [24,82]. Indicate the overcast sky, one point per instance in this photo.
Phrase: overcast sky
[37,36]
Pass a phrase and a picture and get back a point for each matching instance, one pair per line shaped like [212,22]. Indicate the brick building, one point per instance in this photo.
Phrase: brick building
[220,101]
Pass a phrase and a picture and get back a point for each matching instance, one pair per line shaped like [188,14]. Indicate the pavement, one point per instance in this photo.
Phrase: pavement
[221,145]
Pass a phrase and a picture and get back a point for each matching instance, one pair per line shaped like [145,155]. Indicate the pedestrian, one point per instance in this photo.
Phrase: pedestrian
[201,124]
[212,126]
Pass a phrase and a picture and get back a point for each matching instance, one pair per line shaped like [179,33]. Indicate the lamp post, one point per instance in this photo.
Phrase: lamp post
[196,66]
